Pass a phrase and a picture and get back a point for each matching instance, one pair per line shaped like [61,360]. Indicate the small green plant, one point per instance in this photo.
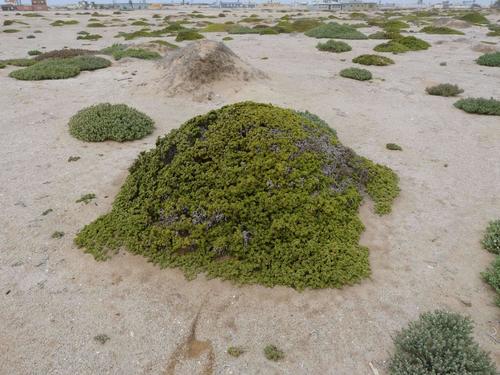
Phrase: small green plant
[480,106]
[2,65]
[73,158]
[334,30]
[334,46]
[474,17]
[492,277]
[393,147]
[392,46]
[86,198]
[57,235]
[11,31]
[47,211]
[373,60]
[102,338]
[34,52]
[413,43]
[235,351]
[241,30]
[96,24]
[63,54]
[227,38]
[20,62]
[444,89]
[489,59]
[188,35]
[439,342]
[116,122]
[89,37]
[385,35]
[64,22]
[440,30]
[119,51]
[356,73]
[140,23]
[272,353]
[491,239]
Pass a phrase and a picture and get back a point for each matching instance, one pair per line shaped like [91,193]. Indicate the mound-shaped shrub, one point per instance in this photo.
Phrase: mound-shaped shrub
[188,35]
[251,193]
[413,43]
[444,89]
[60,68]
[391,46]
[480,106]
[115,122]
[334,46]
[440,30]
[491,240]
[385,35]
[439,342]
[64,22]
[64,53]
[489,59]
[89,37]
[474,17]
[242,30]
[492,277]
[356,73]
[373,60]
[334,30]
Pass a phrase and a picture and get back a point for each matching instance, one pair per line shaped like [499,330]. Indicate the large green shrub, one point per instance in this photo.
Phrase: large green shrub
[391,46]
[474,17]
[356,73]
[413,43]
[334,30]
[119,51]
[373,60]
[252,193]
[439,343]
[480,106]
[334,46]
[444,89]
[491,240]
[64,53]
[64,22]
[116,122]
[492,277]
[440,30]
[489,59]
[385,35]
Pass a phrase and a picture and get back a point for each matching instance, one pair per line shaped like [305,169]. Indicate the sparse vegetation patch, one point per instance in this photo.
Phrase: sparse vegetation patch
[444,89]
[489,59]
[356,73]
[480,106]
[334,46]
[373,60]
[334,30]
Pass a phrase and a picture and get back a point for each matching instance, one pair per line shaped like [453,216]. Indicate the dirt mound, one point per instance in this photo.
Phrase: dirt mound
[201,65]
[450,22]
[484,48]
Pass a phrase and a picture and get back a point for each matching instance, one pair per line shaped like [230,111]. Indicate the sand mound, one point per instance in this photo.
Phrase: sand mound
[196,68]
[251,193]
[450,22]
[484,48]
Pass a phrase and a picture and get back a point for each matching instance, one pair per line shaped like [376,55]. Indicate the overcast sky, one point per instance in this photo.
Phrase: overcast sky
[402,2]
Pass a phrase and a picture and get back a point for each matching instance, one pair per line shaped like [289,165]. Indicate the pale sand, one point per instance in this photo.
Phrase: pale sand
[425,255]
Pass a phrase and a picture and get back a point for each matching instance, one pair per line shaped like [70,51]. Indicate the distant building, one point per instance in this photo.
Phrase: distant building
[84,4]
[36,5]
[341,5]
[234,4]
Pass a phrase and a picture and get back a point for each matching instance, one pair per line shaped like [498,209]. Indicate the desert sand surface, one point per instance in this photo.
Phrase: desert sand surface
[425,255]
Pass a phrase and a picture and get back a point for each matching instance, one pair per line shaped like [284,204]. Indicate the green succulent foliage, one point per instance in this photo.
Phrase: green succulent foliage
[334,46]
[188,35]
[492,277]
[34,52]
[20,62]
[474,17]
[439,343]
[63,53]
[64,22]
[116,122]
[356,73]
[480,106]
[89,37]
[11,31]
[376,60]
[60,68]
[2,65]
[413,43]
[268,31]
[273,353]
[440,30]
[119,51]
[251,193]
[393,147]
[489,59]
[86,198]
[241,30]
[334,30]
[96,24]
[444,89]
[385,35]
[392,46]
[235,351]
[491,239]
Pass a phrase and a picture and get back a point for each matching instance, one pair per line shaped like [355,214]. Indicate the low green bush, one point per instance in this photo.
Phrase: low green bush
[2,65]
[268,31]
[492,277]
[356,73]
[20,62]
[116,122]
[64,22]
[444,89]
[480,106]
[217,28]
[89,37]
[64,53]
[140,23]
[394,25]
[60,68]
[11,31]
[96,24]
[188,35]
[272,353]
[491,239]
[391,46]
[238,29]
[373,60]
[413,43]
[334,30]
[119,51]
[235,351]
[474,17]
[334,46]
[439,343]
[227,38]
[440,30]
[393,147]
[385,35]
[8,22]
[34,52]
[489,59]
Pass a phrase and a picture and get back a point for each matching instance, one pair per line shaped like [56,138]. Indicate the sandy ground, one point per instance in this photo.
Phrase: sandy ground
[425,255]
